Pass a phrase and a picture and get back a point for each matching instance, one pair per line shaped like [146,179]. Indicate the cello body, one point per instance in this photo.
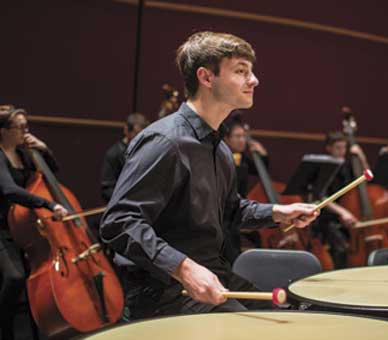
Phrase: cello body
[295,239]
[367,202]
[274,238]
[365,240]
[72,287]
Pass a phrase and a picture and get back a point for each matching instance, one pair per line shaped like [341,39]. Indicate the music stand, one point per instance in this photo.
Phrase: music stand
[380,171]
[313,176]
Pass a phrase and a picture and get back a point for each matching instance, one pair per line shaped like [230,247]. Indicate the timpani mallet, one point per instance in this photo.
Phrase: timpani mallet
[366,176]
[278,296]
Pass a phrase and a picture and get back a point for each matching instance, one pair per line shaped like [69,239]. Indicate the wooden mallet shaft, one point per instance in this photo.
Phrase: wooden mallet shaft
[366,176]
[277,296]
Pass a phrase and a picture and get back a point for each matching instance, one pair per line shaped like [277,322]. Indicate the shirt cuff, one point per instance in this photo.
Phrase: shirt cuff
[258,215]
[168,259]
[264,212]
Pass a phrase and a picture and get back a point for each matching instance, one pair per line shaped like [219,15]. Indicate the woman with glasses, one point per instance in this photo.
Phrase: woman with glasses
[16,168]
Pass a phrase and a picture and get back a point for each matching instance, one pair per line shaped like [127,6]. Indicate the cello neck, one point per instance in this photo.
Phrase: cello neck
[51,182]
[366,209]
[350,126]
[264,176]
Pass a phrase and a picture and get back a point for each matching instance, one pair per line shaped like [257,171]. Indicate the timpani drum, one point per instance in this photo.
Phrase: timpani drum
[251,326]
[361,290]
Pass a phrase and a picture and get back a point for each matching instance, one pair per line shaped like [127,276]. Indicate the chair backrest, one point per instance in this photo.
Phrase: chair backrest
[272,268]
[378,257]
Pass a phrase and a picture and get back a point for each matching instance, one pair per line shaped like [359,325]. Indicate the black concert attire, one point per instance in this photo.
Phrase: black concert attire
[12,184]
[331,230]
[177,186]
[111,168]
[380,170]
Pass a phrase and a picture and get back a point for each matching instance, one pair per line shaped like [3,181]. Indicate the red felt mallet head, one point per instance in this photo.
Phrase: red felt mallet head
[368,175]
[279,296]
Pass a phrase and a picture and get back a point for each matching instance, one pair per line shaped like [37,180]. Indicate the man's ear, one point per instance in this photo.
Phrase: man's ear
[205,76]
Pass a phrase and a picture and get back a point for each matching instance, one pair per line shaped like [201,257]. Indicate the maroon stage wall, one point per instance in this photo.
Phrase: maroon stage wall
[73,58]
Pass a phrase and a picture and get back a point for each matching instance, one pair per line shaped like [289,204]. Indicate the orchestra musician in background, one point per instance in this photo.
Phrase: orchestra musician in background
[237,141]
[16,168]
[113,163]
[335,218]
[114,158]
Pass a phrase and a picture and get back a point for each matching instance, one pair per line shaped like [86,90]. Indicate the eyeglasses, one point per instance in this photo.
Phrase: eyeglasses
[238,136]
[24,128]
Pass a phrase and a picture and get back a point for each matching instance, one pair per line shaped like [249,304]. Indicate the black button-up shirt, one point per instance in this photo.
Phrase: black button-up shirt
[176,188]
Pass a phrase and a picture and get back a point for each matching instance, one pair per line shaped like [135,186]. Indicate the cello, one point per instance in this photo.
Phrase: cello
[71,287]
[267,191]
[366,202]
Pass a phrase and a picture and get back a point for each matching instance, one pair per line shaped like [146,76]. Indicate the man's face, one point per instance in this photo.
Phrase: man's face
[235,83]
[136,129]
[132,134]
[337,149]
[237,140]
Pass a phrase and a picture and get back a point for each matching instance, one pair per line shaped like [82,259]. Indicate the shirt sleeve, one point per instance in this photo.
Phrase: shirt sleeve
[247,213]
[16,194]
[152,172]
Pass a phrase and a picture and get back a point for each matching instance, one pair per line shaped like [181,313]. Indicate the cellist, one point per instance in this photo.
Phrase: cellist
[335,217]
[237,141]
[16,168]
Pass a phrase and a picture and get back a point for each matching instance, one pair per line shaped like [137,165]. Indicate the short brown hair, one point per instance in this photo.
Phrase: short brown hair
[334,137]
[207,49]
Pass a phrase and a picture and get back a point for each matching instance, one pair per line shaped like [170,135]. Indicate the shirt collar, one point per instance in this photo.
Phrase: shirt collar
[200,127]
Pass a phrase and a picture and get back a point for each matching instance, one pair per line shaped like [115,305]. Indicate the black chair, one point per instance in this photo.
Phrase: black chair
[271,268]
[378,257]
